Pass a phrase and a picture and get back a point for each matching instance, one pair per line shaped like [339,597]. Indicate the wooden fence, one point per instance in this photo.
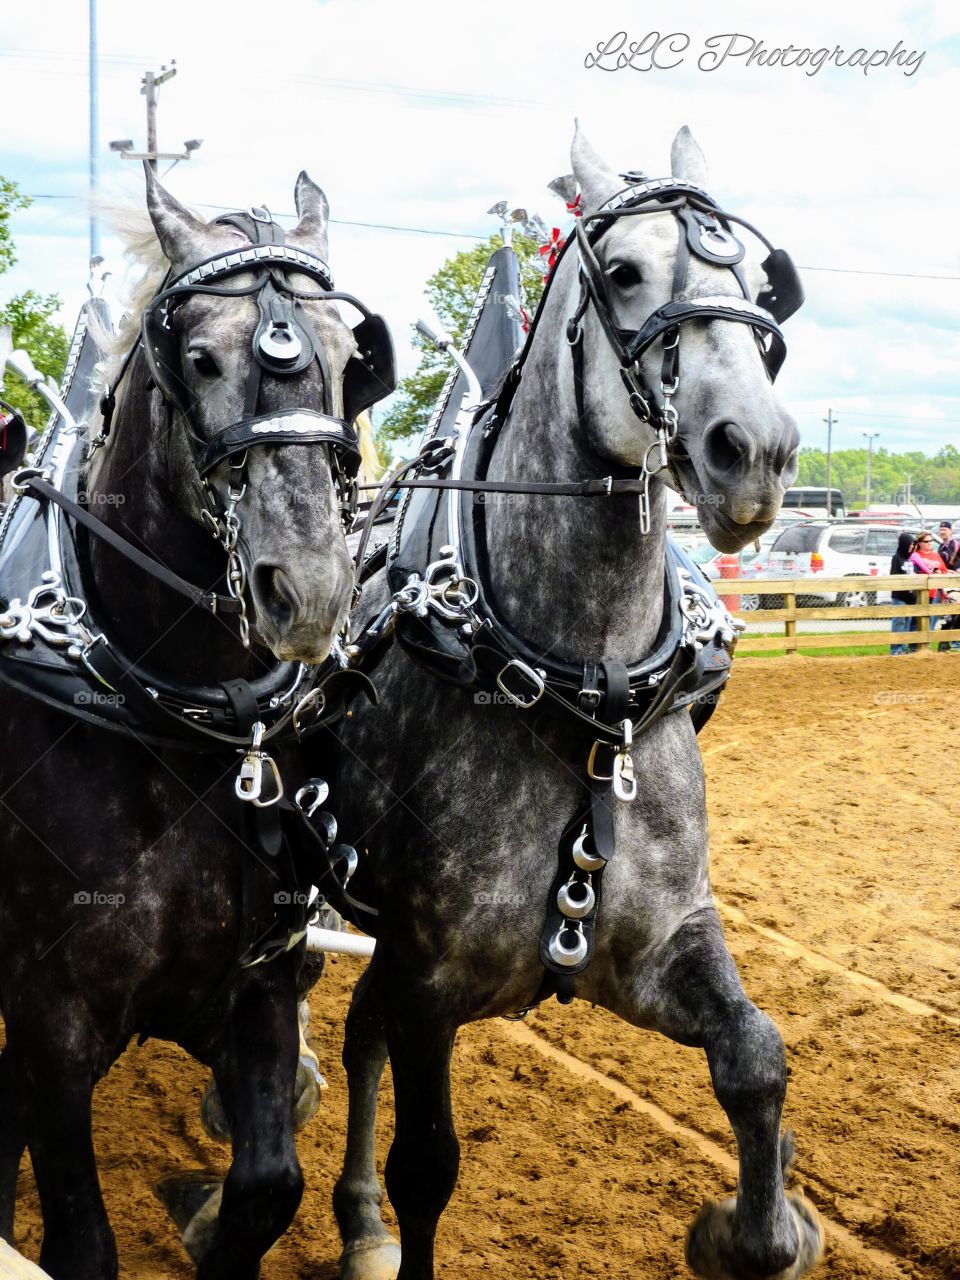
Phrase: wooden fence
[791,613]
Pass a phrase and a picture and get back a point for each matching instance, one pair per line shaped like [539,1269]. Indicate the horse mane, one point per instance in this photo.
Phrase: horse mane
[141,247]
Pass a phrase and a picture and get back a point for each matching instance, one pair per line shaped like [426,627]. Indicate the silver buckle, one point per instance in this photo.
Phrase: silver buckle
[535,678]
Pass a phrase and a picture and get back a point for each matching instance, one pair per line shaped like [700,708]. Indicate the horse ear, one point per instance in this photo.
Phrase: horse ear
[181,235]
[313,211]
[686,159]
[597,180]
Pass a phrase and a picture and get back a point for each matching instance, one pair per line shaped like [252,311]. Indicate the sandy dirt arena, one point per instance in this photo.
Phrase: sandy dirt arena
[587,1146]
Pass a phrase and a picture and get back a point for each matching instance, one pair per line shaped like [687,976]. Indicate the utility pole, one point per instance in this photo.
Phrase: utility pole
[148,87]
[94,129]
[869,436]
[829,420]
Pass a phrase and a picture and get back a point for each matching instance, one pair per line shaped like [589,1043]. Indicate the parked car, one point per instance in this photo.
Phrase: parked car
[707,558]
[849,549]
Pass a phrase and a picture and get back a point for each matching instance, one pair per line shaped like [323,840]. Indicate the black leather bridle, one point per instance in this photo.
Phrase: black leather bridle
[284,345]
[703,231]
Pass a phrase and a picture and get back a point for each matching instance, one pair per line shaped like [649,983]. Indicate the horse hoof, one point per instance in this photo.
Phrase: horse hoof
[306,1091]
[212,1115]
[370,1260]
[714,1253]
[193,1202]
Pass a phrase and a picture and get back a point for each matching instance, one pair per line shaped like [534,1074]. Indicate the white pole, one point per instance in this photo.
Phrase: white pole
[347,944]
[94,129]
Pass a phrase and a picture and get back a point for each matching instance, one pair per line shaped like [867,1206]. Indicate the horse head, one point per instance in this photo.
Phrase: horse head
[732,449]
[255,367]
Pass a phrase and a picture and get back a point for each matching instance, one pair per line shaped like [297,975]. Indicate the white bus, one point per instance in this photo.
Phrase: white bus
[814,501]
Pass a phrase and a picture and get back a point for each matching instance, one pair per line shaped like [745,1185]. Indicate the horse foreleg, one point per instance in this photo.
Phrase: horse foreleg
[424,1159]
[12,1143]
[369,1251]
[52,1063]
[695,997]
[255,1070]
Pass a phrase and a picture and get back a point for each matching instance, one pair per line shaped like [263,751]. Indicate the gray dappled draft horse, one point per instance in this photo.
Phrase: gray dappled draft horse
[161,830]
[460,805]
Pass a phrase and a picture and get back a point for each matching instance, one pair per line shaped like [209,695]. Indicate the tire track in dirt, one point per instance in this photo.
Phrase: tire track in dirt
[887,1263]
[817,960]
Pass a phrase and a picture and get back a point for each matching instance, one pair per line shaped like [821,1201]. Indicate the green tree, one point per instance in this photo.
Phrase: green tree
[932,479]
[451,292]
[29,315]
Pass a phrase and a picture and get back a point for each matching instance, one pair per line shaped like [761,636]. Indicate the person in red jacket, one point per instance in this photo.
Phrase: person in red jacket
[928,560]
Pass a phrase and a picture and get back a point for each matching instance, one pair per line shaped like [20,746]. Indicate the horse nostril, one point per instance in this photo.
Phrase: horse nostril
[786,452]
[276,593]
[727,447]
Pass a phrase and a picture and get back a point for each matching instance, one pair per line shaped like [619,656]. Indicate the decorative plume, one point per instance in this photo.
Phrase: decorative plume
[566,188]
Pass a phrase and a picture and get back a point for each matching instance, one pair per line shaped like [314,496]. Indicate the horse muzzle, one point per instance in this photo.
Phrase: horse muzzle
[298,619]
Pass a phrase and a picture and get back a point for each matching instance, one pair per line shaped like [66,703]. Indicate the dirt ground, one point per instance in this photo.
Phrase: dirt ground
[589,1146]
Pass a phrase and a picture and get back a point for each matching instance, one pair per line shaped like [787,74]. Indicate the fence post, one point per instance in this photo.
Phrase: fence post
[923,625]
[790,625]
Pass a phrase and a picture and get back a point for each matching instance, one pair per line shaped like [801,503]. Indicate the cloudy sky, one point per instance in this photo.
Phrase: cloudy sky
[419,115]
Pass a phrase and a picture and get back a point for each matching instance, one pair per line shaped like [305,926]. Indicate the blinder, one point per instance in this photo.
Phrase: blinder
[14,437]
[705,233]
[784,293]
[372,373]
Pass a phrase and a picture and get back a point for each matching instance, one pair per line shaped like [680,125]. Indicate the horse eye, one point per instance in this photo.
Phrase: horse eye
[204,363]
[623,275]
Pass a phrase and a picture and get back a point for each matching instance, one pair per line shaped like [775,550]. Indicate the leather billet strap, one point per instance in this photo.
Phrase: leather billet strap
[597,817]
[304,426]
[37,487]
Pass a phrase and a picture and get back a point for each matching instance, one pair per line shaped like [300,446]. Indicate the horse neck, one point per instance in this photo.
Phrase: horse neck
[572,575]
[131,494]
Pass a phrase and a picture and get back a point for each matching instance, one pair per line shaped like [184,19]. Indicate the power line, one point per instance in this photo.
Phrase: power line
[475,235]
[900,275]
[479,236]
[898,417]
[451,96]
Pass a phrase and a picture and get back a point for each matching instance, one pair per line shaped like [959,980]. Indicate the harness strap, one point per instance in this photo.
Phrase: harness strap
[111,671]
[616,704]
[39,488]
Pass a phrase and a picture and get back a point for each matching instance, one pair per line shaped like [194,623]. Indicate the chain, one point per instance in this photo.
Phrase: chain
[226,530]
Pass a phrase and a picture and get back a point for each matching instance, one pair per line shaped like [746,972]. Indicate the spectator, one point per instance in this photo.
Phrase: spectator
[949,549]
[902,563]
[927,560]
